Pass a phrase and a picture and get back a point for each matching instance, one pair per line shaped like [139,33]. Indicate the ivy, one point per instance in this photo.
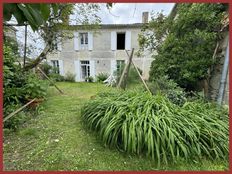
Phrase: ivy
[183,47]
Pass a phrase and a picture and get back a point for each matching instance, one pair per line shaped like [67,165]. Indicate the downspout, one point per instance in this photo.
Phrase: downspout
[223,77]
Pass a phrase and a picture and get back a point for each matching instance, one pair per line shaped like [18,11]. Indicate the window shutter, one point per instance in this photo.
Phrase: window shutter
[77,70]
[59,44]
[113,66]
[113,40]
[76,41]
[61,67]
[128,40]
[92,68]
[90,41]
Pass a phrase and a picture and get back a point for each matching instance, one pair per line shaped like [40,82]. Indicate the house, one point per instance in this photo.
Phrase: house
[89,53]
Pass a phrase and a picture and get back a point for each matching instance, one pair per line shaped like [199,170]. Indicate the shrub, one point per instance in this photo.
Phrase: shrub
[142,123]
[18,86]
[69,77]
[102,77]
[57,77]
[46,68]
[169,88]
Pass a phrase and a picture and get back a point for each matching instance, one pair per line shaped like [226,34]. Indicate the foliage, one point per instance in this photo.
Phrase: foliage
[102,77]
[139,122]
[185,54]
[46,68]
[89,79]
[69,77]
[35,87]
[18,86]
[169,88]
[56,77]
[35,14]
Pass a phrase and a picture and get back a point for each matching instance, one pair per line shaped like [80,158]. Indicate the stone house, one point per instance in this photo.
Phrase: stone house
[89,53]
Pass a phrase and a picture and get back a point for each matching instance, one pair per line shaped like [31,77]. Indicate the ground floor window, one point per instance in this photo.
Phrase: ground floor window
[85,69]
[120,66]
[55,65]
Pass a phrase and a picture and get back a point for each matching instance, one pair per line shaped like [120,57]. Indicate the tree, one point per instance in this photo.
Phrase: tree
[185,45]
[50,21]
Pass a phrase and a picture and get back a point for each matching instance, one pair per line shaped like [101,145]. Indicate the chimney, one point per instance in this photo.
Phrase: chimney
[145,17]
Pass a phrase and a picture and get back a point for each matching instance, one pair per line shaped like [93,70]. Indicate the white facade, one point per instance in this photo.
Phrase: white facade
[89,53]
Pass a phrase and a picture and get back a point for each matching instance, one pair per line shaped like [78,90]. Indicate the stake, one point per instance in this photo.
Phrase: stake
[125,73]
[18,110]
[140,75]
[50,81]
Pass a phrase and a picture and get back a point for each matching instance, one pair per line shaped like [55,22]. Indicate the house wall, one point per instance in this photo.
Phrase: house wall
[101,54]
[217,73]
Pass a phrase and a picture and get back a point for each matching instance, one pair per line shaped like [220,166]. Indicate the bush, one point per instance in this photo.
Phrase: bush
[141,123]
[69,77]
[102,77]
[46,68]
[18,86]
[56,77]
[169,88]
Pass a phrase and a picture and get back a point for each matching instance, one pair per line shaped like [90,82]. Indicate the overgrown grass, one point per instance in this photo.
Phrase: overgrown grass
[55,139]
[138,122]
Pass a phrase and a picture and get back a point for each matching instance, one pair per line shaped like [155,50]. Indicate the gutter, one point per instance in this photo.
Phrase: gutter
[223,77]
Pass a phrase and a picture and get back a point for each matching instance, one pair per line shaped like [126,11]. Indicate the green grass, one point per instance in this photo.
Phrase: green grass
[56,139]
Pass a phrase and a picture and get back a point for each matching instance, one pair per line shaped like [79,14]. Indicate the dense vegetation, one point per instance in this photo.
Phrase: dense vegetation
[138,122]
[185,55]
[18,86]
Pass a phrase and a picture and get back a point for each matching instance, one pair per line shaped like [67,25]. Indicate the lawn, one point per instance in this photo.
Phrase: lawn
[56,139]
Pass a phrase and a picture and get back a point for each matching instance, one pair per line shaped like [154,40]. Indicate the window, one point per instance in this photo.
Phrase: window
[55,65]
[120,66]
[121,41]
[84,38]
[85,69]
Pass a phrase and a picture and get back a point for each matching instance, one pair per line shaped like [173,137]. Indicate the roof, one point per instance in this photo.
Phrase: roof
[110,26]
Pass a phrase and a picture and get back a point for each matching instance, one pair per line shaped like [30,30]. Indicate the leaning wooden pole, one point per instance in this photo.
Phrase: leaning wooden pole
[144,83]
[124,76]
[50,81]
[18,110]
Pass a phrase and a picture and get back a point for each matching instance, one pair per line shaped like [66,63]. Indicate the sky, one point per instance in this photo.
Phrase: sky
[120,13]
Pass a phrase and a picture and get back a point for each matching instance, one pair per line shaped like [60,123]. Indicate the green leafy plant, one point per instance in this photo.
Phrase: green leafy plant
[169,88]
[102,76]
[185,55]
[69,77]
[141,123]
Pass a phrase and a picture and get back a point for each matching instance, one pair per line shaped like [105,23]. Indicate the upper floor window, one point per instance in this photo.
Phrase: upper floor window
[121,39]
[84,38]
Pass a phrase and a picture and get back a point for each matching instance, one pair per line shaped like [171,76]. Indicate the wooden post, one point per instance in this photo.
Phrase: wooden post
[144,83]
[50,80]
[18,110]
[124,76]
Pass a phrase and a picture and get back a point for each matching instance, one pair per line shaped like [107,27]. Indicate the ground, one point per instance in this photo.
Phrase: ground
[56,139]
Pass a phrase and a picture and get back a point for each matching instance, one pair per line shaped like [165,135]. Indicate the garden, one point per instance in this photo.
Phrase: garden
[163,123]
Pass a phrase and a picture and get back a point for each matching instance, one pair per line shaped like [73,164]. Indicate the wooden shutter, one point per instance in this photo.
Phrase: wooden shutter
[61,67]
[128,40]
[92,68]
[113,40]
[90,41]
[76,41]
[77,70]
[113,66]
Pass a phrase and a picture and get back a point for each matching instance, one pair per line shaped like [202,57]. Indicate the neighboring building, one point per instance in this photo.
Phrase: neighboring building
[89,53]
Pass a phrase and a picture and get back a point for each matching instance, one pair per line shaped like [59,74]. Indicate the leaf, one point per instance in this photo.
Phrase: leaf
[45,10]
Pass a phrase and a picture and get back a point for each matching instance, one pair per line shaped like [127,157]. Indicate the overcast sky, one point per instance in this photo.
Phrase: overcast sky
[120,13]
